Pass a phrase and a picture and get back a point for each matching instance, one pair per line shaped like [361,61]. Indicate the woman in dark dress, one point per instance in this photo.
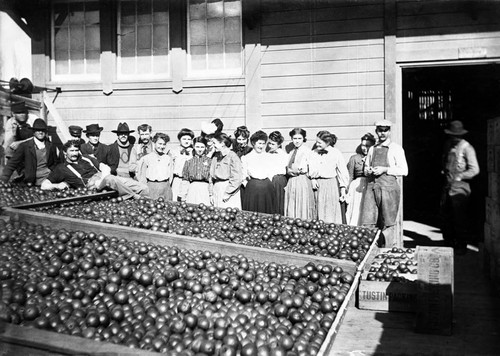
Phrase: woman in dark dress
[278,160]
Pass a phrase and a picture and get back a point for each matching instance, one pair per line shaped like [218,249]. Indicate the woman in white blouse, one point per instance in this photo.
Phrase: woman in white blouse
[257,175]
[278,159]
[328,171]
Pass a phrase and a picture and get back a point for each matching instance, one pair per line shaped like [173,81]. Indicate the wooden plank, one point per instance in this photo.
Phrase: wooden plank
[448,20]
[434,312]
[154,237]
[17,338]
[338,93]
[323,107]
[421,54]
[95,196]
[449,43]
[477,36]
[362,121]
[324,80]
[417,7]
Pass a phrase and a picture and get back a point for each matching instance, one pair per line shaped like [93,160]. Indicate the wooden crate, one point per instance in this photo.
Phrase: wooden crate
[53,343]
[434,307]
[386,296]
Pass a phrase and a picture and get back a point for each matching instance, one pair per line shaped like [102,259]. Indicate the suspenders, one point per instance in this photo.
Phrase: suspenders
[75,172]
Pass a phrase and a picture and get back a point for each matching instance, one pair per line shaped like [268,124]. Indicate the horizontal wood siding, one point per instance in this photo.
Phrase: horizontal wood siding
[439,30]
[323,68]
[165,111]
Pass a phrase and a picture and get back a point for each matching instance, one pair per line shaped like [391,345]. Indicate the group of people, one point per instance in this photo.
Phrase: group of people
[254,172]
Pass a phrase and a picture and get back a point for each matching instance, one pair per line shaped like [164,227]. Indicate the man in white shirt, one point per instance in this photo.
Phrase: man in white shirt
[384,163]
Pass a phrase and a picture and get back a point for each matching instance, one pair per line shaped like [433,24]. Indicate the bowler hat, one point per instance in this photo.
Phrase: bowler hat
[18,108]
[122,128]
[75,130]
[39,125]
[455,128]
[93,128]
[383,123]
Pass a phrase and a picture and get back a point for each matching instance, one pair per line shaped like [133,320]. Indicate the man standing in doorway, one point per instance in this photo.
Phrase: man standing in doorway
[459,167]
[384,163]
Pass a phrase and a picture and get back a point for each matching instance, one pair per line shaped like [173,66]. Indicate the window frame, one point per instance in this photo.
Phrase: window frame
[213,73]
[140,76]
[83,77]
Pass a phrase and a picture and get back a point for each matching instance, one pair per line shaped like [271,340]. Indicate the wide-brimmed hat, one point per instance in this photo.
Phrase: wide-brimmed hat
[93,128]
[75,130]
[383,123]
[122,128]
[455,128]
[19,108]
[39,125]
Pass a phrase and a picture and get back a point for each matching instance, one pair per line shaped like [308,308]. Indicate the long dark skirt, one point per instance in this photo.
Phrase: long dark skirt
[259,196]
[279,184]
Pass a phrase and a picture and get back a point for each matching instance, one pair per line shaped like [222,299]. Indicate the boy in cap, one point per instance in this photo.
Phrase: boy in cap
[122,156]
[385,162]
[75,132]
[37,156]
[94,147]
[459,167]
[17,128]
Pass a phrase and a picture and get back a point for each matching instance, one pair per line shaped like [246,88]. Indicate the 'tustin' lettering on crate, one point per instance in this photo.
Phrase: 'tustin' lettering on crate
[379,296]
[434,270]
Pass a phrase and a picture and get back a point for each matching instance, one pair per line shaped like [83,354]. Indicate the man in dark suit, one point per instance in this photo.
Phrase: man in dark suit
[122,155]
[94,147]
[37,156]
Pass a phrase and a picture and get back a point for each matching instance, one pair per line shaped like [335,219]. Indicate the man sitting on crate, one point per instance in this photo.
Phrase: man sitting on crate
[85,171]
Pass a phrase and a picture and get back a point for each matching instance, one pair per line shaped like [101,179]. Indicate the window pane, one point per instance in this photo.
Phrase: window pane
[232,8]
[144,37]
[127,38]
[92,38]
[160,36]
[92,13]
[232,30]
[61,17]
[144,61]
[144,12]
[61,40]
[76,39]
[160,11]
[216,58]
[93,61]
[215,8]
[233,56]
[127,13]
[198,32]
[128,64]
[197,9]
[77,62]
[62,64]
[76,14]
[198,57]
[160,61]
[215,31]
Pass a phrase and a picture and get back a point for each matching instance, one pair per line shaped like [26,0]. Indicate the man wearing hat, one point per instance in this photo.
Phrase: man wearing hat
[122,155]
[17,128]
[94,147]
[385,162]
[459,167]
[75,132]
[37,156]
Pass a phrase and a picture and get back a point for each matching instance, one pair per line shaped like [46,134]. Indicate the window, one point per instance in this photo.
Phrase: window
[76,40]
[214,36]
[143,38]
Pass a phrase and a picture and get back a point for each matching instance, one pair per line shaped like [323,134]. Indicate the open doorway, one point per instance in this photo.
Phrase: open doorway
[432,97]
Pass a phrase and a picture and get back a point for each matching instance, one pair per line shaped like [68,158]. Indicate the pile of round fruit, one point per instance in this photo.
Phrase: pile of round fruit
[20,193]
[393,265]
[228,225]
[166,299]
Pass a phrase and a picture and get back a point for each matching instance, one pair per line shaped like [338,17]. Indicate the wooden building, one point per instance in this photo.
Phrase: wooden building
[338,65]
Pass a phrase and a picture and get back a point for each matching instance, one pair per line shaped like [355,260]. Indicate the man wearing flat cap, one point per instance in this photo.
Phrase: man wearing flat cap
[385,162]
[17,128]
[75,132]
[94,147]
[122,155]
[37,156]
[459,167]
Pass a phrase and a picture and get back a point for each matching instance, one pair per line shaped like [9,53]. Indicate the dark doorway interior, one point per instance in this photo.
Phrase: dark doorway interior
[432,97]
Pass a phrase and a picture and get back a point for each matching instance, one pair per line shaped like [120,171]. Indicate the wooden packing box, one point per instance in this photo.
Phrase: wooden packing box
[18,340]
[386,296]
[434,308]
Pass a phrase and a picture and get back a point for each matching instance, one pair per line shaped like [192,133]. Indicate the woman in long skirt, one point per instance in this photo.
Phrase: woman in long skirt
[328,172]
[259,191]
[225,174]
[278,160]
[196,175]
[155,169]
[358,181]
[299,195]
[180,155]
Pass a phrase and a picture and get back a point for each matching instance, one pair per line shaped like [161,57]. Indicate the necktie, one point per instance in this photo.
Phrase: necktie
[322,152]
[184,151]
[292,159]
[144,150]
